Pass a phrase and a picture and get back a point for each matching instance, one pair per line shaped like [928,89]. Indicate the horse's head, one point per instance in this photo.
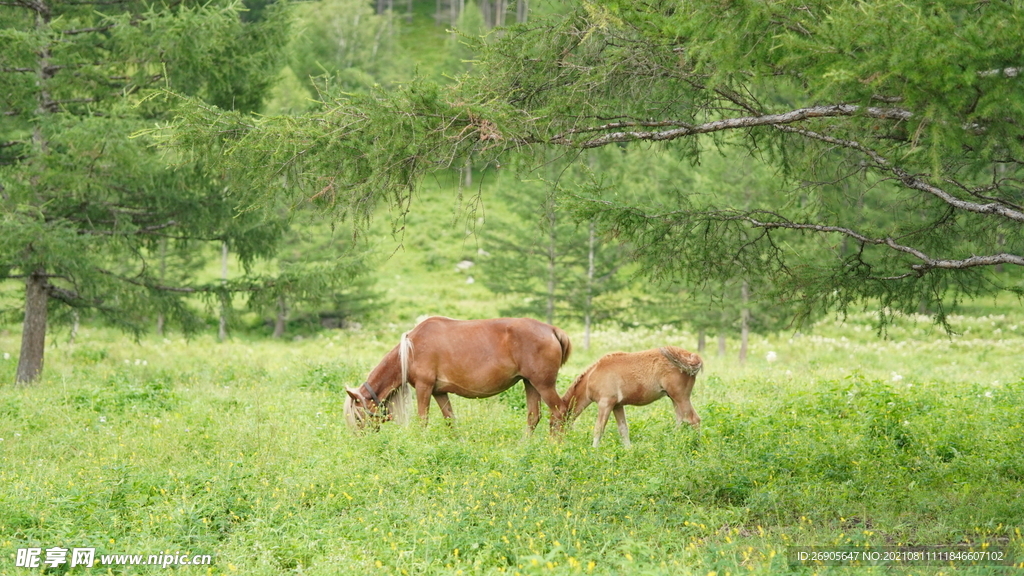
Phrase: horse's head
[362,411]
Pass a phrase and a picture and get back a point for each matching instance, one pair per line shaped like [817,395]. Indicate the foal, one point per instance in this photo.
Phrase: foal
[637,379]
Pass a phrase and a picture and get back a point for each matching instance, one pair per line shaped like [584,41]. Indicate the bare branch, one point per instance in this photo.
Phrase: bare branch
[139,232]
[838,110]
[87,30]
[252,287]
[1005,72]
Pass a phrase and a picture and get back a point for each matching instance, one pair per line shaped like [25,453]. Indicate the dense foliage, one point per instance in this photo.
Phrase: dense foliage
[91,215]
[893,130]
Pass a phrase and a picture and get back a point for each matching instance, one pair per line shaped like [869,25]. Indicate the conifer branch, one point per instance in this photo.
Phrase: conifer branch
[683,129]
[929,262]
[915,182]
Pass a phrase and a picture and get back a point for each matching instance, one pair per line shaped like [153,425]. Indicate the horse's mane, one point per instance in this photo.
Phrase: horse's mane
[570,393]
[396,403]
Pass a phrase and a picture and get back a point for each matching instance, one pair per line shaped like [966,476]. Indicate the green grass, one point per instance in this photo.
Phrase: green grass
[239,450]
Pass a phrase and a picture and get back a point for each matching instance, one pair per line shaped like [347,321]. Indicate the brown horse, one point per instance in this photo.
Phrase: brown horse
[637,379]
[470,358]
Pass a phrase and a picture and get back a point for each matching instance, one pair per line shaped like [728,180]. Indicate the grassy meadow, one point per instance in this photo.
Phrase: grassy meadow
[240,450]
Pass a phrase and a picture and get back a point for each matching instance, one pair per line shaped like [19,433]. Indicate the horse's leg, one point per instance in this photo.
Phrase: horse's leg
[423,393]
[620,419]
[445,405]
[532,405]
[604,409]
[545,387]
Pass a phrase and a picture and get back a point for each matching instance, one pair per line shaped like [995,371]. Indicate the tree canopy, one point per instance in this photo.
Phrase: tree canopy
[86,209]
[895,130]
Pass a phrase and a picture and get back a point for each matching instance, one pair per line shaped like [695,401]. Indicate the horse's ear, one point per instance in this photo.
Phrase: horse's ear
[352,394]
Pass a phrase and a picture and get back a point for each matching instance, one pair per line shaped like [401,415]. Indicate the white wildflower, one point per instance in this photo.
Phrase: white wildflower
[896,377]
[771,356]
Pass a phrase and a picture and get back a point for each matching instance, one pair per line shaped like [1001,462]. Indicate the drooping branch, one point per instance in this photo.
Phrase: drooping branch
[766,221]
[928,261]
[913,181]
[140,232]
[682,129]
[207,289]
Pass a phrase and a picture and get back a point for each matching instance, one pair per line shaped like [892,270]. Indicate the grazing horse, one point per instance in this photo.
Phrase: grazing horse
[637,379]
[470,358]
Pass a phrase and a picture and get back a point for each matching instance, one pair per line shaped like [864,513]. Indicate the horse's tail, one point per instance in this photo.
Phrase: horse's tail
[563,341]
[687,362]
[398,403]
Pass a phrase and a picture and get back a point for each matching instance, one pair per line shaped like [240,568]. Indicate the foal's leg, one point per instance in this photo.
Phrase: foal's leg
[604,409]
[620,419]
[445,405]
[680,396]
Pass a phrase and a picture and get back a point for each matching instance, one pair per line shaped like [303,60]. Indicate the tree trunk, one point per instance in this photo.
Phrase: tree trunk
[282,315]
[744,321]
[222,332]
[485,11]
[721,343]
[74,326]
[588,312]
[552,254]
[522,9]
[500,8]
[701,341]
[33,333]
[163,274]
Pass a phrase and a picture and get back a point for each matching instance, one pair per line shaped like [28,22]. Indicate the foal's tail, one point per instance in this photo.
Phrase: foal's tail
[687,362]
[563,340]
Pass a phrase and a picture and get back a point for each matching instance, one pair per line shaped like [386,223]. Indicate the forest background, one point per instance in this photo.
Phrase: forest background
[831,432]
[469,249]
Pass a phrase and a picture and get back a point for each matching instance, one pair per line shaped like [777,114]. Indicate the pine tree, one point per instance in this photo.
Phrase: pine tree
[552,267]
[911,110]
[89,205]
[321,278]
